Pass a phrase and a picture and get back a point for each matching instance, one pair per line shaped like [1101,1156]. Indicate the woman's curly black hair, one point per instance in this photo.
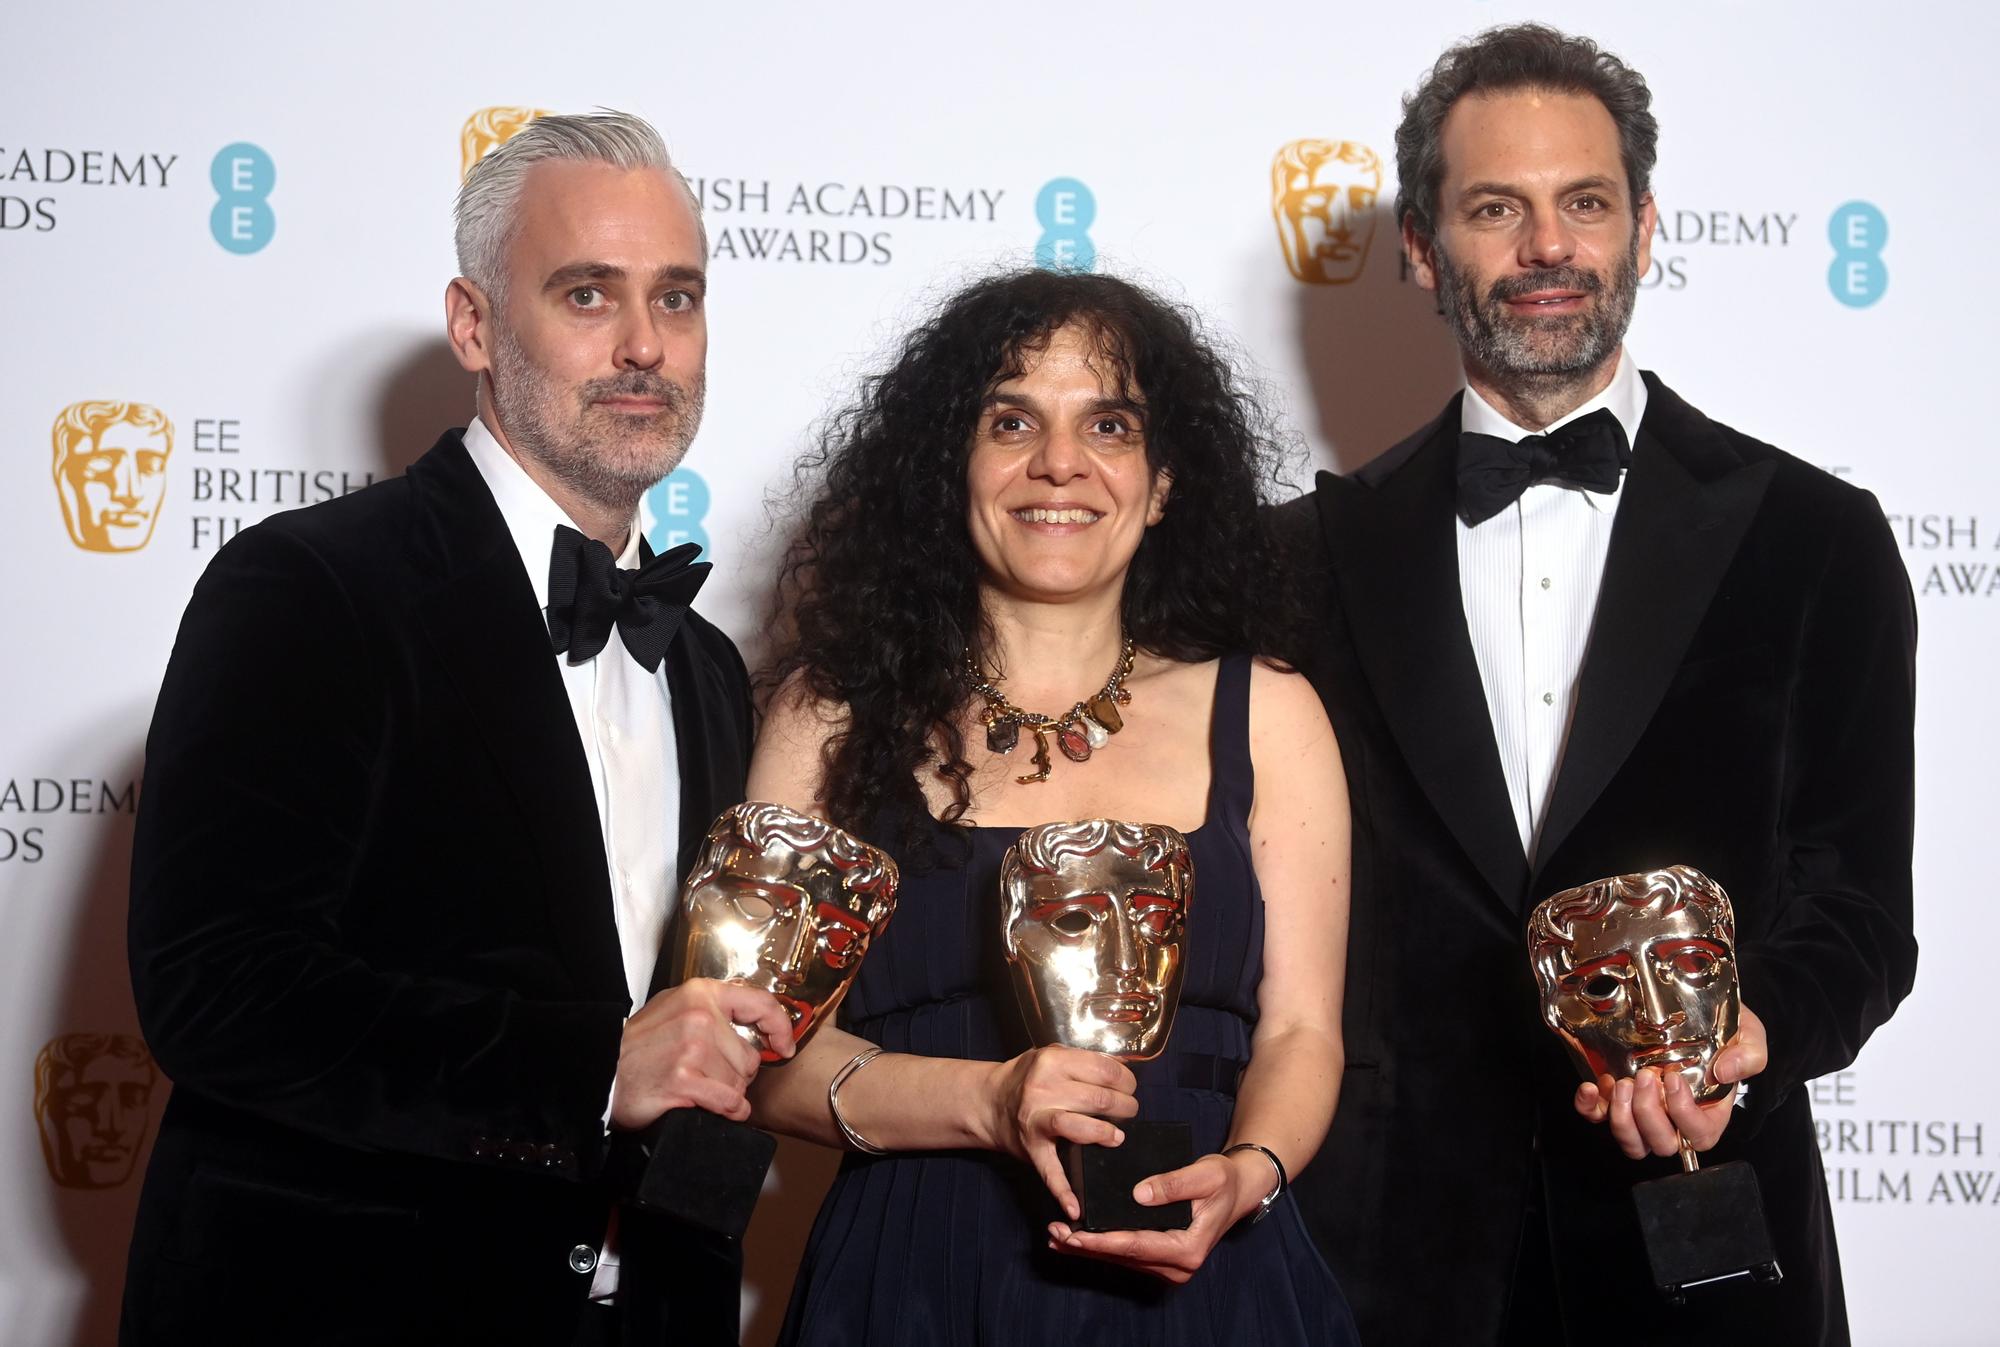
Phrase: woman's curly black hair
[881,583]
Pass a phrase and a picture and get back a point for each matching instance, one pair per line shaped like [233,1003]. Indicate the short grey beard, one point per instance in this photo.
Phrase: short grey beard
[1504,349]
[525,399]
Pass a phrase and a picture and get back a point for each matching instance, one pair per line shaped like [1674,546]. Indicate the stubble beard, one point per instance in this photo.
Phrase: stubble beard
[610,459]
[1532,358]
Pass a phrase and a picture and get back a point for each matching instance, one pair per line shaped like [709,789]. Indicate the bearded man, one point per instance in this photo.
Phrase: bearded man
[427,766]
[1573,629]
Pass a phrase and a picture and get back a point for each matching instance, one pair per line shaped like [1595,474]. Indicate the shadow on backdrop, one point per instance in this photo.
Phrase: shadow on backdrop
[1378,359]
[383,399]
[423,393]
[98,1097]
[98,1118]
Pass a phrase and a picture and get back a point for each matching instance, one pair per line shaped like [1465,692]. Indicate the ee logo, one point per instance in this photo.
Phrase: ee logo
[1857,231]
[243,176]
[679,504]
[1065,209]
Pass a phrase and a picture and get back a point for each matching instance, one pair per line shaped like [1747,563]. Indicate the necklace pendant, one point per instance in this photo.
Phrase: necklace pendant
[1002,735]
[1104,710]
[1042,763]
[1095,732]
[1075,744]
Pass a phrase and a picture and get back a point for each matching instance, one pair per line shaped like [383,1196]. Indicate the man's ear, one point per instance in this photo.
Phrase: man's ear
[468,324]
[1156,504]
[1418,246]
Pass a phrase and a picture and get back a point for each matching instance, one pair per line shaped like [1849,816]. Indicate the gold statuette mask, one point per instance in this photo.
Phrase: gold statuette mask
[1095,929]
[1640,971]
[785,902]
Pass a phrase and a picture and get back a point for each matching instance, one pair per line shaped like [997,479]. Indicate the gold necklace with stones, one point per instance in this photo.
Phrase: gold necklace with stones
[1082,728]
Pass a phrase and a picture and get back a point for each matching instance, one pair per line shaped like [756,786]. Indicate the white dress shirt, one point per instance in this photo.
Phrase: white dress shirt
[1529,578]
[624,718]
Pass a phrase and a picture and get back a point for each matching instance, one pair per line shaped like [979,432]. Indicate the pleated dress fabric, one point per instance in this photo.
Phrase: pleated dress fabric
[949,1248]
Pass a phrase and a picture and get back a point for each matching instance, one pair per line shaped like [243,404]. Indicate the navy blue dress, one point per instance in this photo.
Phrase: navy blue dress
[949,1248]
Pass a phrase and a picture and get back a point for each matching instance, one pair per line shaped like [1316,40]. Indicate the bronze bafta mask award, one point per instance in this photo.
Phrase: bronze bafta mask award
[1639,971]
[787,903]
[1095,928]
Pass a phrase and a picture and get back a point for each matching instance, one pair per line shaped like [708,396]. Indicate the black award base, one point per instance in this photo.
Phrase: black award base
[1102,1177]
[1705,1226]
[704,1169]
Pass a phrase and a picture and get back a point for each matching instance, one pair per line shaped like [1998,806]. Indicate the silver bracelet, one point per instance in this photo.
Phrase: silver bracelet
[1284,1180]
[854,1138]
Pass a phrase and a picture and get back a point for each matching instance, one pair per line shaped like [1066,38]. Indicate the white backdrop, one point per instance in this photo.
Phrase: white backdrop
[238,215]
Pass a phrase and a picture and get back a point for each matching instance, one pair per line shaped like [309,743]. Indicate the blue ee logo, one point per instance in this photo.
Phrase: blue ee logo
[1065,209]
[243,176]
[1857,231]
[679,504]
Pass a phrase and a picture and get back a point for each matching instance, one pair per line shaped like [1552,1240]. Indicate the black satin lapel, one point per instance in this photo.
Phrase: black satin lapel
[1397,557]
[695,716]
[486,630]
[1672,542]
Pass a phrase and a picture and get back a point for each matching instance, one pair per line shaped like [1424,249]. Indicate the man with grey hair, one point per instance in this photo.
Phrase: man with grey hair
[427,766]
[1574,628]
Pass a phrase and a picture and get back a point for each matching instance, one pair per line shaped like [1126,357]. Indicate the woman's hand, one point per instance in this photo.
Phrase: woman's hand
[1223,1188]
[1058,1093]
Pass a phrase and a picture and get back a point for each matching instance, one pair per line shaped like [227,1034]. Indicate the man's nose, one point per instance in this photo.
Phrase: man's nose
[1547,240]
[639,345]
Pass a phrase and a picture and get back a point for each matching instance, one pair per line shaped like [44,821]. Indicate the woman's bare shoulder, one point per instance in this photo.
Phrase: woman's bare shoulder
[787,765]
[1283,702]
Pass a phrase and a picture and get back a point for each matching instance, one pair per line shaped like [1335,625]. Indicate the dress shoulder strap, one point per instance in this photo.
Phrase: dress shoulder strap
[1232,784]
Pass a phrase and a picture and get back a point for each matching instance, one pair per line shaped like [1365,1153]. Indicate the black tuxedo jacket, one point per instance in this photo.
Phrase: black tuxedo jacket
[1745,707]
[372,942]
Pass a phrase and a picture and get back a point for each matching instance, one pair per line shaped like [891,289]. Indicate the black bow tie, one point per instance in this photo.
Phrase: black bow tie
[1589,453]
[588,593]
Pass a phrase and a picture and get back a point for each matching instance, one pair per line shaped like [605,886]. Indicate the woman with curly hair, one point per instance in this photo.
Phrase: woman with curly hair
[1034,585]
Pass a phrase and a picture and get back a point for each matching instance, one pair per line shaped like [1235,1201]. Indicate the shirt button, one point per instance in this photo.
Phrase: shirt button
[1548,699]
[1545,582]
[583,1258]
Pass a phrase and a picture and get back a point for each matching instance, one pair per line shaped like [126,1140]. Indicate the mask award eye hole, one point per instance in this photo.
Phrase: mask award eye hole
[1601,988]
[1694,962]
[1073,922]
[754,907]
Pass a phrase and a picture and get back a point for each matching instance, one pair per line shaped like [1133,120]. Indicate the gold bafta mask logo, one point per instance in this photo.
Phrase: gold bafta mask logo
[111,472]
[93,1099]
[1323,197]
[487,130]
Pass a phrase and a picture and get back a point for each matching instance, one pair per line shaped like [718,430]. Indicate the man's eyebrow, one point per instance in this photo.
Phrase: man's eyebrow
[577,272]
[685,275]
[1596,181]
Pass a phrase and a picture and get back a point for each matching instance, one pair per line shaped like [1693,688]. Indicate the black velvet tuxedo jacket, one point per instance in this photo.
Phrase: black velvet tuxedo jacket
[1745,707]
[372,943]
